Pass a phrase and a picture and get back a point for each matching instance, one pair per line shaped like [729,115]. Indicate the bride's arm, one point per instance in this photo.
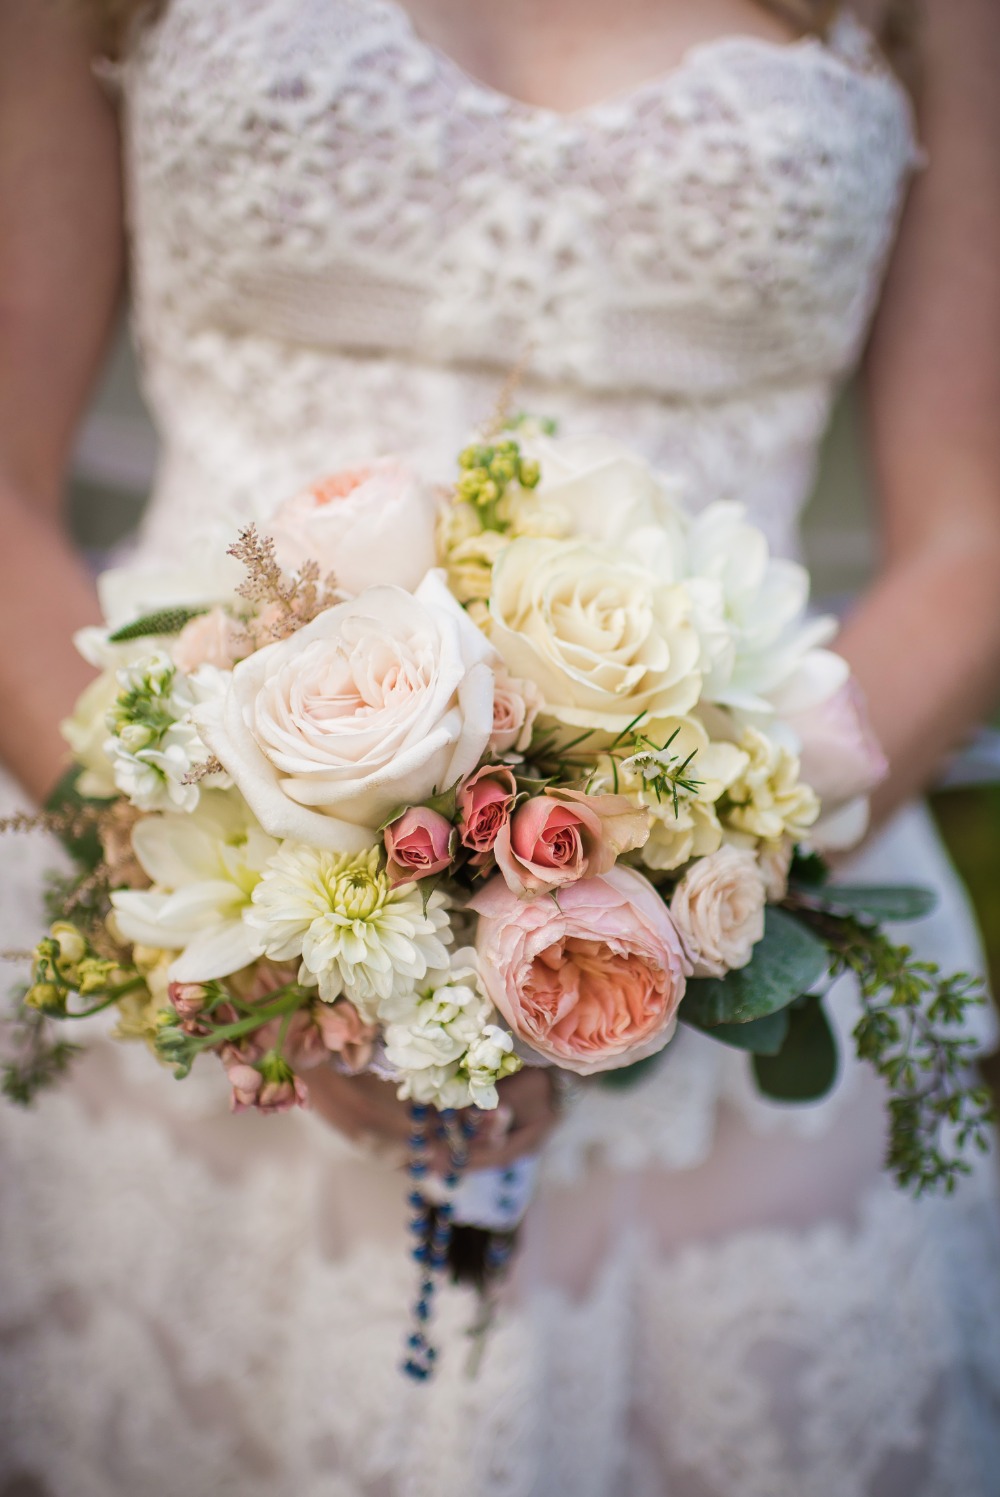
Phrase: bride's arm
[60,275]
[925,641]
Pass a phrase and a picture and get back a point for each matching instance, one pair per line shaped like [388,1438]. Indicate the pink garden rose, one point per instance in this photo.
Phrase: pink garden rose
[485,802]
[590,980]
[366,525]
[417,844]
[563,835]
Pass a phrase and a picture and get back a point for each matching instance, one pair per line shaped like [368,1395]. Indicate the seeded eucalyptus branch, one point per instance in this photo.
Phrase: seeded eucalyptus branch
[911,1032]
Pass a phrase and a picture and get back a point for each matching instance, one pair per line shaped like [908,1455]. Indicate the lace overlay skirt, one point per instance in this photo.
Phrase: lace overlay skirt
[715,1296]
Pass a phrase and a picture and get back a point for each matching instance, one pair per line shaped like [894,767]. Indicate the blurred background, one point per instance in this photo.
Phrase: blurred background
[113,466]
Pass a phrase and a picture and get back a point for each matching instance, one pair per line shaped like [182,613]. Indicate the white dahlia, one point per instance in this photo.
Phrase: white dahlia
[357,935]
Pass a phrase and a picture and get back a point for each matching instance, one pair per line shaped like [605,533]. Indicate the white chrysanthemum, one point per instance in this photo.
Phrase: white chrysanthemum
[357,935]
[154,744]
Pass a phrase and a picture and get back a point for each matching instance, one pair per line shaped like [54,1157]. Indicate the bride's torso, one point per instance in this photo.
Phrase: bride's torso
[343,243]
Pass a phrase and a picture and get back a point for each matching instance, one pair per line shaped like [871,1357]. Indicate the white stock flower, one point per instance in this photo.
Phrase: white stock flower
[443,1041]
[767,800]
[355,933]
[601,636]
[718,907]
[376,704]
[154,744]
[204,867]
[435,1024]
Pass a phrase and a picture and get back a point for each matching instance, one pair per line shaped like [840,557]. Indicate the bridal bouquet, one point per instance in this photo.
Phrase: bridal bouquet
[526,771]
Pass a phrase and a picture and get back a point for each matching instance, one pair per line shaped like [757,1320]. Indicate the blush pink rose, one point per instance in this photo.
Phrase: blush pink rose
[485,802]
[345,1033]
[591,980]
[366,525]
[564,835]
[417,844]
[516,704]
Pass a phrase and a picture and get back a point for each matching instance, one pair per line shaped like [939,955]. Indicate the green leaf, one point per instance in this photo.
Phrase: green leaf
[786,962]
[874,901]
[163,621]
[805,1067]
[628,1076]
[763,1036]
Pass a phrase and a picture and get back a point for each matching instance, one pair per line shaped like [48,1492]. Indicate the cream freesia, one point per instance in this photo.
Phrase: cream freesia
[601,636]
[376,704]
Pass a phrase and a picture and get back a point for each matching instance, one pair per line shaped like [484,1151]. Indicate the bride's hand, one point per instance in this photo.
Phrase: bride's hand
[366,1109]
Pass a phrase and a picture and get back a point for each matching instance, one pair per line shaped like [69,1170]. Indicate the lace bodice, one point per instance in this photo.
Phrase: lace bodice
[342,244]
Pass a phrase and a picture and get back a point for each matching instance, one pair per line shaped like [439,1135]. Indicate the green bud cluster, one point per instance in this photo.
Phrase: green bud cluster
[489,470]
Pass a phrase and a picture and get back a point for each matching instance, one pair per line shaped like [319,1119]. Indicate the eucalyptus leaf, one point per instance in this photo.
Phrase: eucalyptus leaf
[874,901]
[762,1036]
[785,963]
[805,1067]
[625,1077]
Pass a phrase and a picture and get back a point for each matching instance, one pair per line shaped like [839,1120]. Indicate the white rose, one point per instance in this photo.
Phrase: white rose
[601,636]
[718,907]
[607,493]
[366,525]
[374,705]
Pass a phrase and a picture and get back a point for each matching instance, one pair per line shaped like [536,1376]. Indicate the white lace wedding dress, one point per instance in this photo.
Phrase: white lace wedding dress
[341,244]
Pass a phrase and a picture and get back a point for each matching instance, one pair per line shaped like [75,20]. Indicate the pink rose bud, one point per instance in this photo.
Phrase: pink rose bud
[417,844]
[188,998]
[564,835]
[515,707]
[485,802]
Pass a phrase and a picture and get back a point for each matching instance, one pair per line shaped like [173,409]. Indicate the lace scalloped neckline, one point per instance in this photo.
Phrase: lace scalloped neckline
[698,52]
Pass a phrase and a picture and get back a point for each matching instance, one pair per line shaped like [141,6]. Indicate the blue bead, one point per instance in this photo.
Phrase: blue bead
[420,1253]
[417,1200]
[422,1310]
[417,1167]
[416,1340]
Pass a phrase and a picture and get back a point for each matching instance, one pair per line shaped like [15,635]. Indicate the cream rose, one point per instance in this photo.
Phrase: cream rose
[718,907]
[376,704]
[366,525]
[607,493]
[601,636]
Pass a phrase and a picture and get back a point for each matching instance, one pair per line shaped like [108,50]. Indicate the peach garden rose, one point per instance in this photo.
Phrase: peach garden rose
[590,980]
[370,524]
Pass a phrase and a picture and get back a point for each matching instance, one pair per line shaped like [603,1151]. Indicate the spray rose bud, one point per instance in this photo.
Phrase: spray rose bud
[485,802]
[246,1082]
[417,844]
